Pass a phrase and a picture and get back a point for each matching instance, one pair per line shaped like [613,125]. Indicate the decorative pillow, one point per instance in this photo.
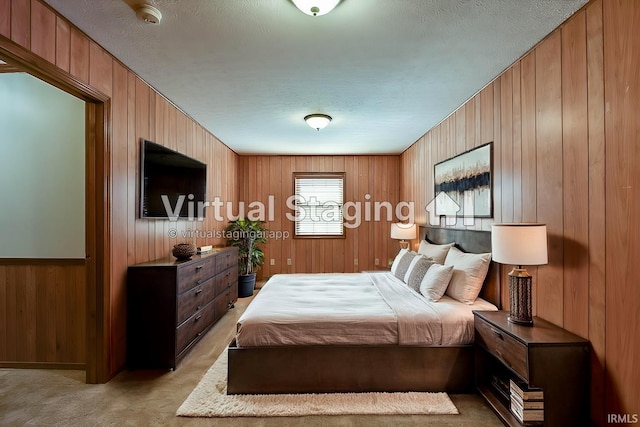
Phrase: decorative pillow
[469,271]
[435,282]
[416,272]
[397,259]
[414,261]
[436,252]
[403,264]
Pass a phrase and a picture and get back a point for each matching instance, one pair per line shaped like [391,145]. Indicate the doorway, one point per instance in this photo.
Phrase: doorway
[95,261]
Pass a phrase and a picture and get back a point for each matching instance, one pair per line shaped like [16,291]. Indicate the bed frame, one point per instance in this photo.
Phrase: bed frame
[362,368]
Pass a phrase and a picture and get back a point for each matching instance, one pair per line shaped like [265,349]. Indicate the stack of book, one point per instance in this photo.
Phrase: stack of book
[501,386]
[204,249]
[527,403]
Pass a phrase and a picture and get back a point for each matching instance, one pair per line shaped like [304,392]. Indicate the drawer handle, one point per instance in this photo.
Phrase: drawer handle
[198,291]
[199,282]
[197,318]
[199,334]
[497,333]
[198,268]
[198,308]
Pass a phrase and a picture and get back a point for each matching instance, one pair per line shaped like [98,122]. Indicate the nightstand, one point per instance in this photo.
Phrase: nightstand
[542,356]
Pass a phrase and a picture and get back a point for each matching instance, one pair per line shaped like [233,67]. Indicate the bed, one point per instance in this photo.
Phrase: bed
[287,355]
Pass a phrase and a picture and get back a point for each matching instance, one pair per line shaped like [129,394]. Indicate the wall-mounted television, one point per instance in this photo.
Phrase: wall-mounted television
[171,184]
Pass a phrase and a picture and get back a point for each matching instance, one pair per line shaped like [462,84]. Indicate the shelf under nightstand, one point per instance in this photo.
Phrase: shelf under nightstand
[542,356]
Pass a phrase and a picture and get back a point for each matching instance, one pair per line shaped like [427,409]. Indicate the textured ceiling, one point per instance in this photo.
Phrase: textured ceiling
[387,71]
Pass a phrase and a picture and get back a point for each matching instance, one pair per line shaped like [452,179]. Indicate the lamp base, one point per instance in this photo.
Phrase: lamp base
[404,244]
[520,297]
[520,322]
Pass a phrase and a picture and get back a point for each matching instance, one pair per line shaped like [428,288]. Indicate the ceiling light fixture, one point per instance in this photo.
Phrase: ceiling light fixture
[148,13]
[316,7]
[317,121]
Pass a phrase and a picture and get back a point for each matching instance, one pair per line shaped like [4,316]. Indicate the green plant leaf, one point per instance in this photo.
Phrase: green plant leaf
[245,235]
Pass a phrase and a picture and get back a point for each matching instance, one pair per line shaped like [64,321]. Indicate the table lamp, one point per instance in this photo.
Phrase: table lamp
[519,244]
[403,232]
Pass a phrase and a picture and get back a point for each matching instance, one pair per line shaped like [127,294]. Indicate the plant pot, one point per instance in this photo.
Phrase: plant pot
[246,285]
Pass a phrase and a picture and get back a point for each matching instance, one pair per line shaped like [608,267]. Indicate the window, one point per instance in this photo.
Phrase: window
[318,204]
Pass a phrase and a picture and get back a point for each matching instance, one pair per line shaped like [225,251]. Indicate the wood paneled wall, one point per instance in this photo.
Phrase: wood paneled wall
[42,316]
[136,111]
[368,179]
[546,117]
[545,114]
[622,95]
[140,112]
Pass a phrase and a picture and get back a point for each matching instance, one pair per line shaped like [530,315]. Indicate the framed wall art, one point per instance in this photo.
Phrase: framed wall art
[463,184]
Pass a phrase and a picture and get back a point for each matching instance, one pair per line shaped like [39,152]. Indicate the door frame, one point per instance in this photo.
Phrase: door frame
[97,210]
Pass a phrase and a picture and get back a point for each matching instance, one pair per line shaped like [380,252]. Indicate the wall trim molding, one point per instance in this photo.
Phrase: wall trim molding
[42,261]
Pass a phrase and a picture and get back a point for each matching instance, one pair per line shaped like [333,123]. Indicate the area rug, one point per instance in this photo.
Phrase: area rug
[209,399]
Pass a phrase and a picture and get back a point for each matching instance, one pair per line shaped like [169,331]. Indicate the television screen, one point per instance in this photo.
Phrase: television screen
[172,184]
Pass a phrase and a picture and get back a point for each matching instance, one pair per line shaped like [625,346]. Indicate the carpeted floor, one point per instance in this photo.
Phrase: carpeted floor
[151,398]
[209,399]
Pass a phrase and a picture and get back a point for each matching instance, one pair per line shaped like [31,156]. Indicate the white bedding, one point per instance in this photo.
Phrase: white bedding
[352,308]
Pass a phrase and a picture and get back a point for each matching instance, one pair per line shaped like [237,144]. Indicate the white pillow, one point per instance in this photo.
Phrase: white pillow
[469,271]
[397,259]
[435,282]
[436,252]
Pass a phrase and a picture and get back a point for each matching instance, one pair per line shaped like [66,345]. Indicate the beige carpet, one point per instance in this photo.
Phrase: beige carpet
[209,399]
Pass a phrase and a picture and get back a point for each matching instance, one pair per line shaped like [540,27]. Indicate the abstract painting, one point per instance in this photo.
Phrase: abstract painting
[463,184]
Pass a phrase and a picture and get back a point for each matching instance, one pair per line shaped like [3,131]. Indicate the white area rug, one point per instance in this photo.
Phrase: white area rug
[209,399]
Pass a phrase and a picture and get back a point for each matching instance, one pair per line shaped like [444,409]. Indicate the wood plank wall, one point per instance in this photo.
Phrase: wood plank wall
[137,111]
[549,157]
[546,117]
[376,176]
[40,323]
[622,95]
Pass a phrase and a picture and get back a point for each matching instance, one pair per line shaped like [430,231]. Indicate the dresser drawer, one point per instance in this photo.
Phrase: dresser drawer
[225,280]
[222,303]
[194,327]
[225,260]
[194,299]
[511,351]
[193,274]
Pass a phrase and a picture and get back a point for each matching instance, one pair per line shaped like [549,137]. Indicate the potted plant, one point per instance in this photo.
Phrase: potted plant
[246,235]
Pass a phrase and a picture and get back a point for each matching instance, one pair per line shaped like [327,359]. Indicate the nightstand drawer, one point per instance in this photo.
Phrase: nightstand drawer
[512,352]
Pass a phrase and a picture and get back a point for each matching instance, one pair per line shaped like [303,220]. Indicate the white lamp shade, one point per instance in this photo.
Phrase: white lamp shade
[402,231]
[316,7]
[519,243]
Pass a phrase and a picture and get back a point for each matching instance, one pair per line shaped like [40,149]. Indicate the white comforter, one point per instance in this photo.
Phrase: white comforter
[352,308]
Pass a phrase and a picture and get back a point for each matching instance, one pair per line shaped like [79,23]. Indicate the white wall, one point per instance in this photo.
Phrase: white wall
[42,165]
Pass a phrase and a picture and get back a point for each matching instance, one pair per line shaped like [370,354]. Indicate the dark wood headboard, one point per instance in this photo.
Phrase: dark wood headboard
[473,241]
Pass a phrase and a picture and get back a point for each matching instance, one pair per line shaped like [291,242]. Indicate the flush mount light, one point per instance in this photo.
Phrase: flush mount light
[148,13]
[316,7]
[317,121]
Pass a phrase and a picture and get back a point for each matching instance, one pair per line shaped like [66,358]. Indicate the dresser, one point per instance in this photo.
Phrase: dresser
[543,359]
[171,304]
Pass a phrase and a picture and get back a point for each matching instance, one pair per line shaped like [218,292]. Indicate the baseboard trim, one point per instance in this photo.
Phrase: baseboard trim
[43,365]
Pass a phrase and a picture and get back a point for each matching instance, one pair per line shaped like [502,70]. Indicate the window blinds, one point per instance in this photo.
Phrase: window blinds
[319,202]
